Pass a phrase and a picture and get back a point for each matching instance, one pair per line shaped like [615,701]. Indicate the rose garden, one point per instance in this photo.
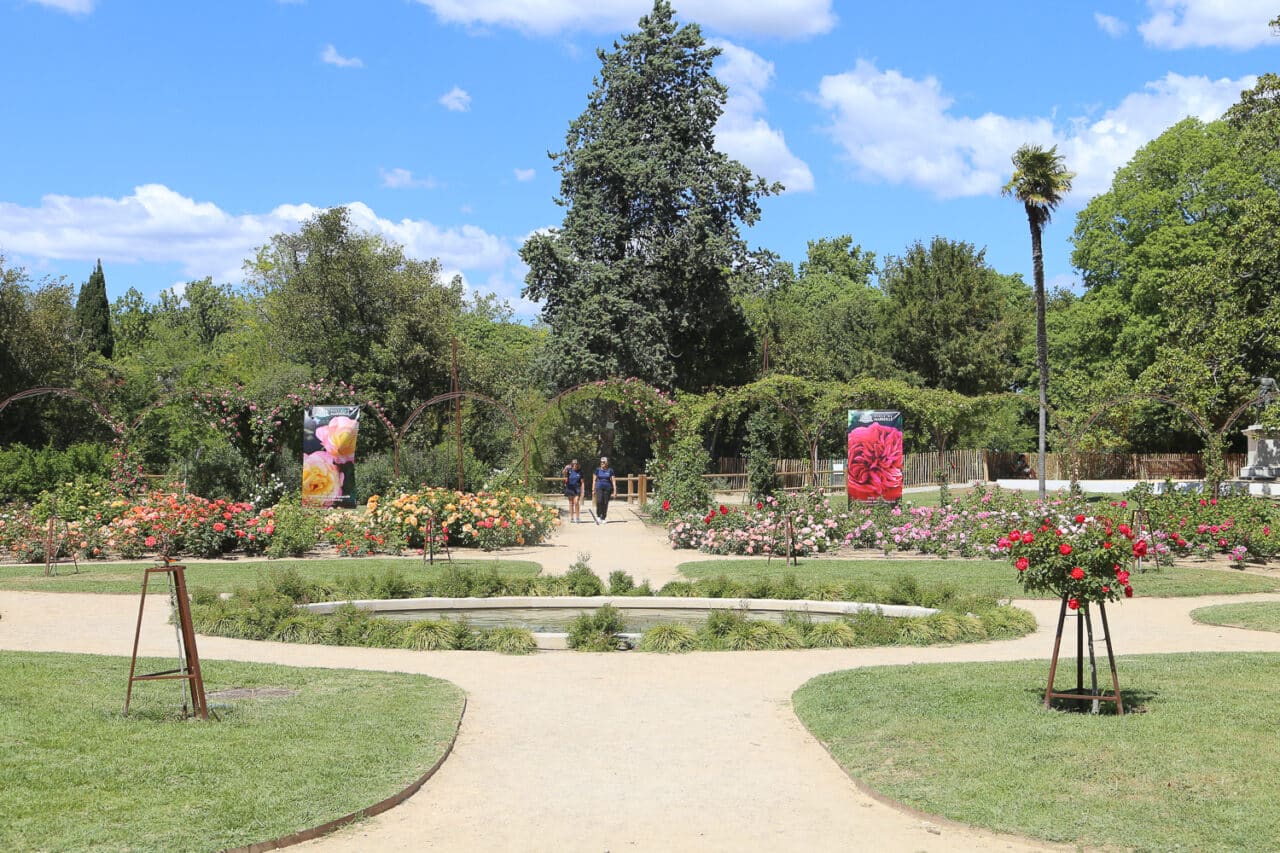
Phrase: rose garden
[890,550]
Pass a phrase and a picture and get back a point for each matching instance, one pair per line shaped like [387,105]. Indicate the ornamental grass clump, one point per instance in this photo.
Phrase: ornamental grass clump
[669,638]
[600,631]
[1082,560]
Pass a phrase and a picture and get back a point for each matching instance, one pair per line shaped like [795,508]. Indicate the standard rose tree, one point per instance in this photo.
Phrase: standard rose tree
[1085,561]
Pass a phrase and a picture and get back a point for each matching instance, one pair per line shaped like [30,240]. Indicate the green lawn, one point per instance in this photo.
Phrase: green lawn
[78,775]
[988,577]
[1256,616]
[973,743]
[227,575]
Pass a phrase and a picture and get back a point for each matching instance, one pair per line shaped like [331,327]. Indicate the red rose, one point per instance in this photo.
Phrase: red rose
[875,463]
[1140,548]
[1064,549]
[1028,538]
[1126,531]
[1105,589]
[724,510]
[1122,576]
[1002,543]
[1015,534]
[666,506]
[1077,574]
[218,527]
[759,504]
[1079,519]
[1128,592]
[1073,604]
[1022,564]
[1106,544]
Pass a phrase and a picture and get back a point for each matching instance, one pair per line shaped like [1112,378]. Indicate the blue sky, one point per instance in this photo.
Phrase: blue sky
[170,139]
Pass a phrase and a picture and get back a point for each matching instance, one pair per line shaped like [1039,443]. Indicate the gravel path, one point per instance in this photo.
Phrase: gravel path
[566,751]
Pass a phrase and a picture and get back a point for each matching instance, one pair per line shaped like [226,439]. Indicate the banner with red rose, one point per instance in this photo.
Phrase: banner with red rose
[329,436]
[874,467]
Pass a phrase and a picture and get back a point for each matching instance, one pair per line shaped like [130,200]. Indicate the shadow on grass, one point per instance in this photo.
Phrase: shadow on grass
[1136,701]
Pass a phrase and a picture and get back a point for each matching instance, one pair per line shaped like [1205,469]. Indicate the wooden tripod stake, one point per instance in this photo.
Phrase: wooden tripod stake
[188,659]
[1084,623]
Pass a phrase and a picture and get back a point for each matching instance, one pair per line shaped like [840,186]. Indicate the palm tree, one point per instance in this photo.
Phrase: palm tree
[1040,180]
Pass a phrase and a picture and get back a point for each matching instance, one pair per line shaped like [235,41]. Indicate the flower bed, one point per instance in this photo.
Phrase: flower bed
[166,523]
[1241,528]
[487,520]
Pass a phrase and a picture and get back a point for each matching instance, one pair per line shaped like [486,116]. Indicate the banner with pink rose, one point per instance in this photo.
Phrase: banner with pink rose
[874,468]
[329,436]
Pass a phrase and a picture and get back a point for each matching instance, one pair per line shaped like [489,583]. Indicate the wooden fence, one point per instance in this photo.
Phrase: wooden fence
[921,469]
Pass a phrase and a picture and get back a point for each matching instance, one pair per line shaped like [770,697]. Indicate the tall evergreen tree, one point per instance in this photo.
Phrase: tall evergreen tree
[93,314]
[636,279]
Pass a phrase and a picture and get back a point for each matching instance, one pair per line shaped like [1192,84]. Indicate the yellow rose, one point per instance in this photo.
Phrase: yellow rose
[321,479]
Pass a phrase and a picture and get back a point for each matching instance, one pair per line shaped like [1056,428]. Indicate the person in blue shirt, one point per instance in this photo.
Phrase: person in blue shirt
[573,490]
[602,489]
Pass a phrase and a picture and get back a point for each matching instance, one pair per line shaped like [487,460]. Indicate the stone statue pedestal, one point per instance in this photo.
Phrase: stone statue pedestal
[1264,454]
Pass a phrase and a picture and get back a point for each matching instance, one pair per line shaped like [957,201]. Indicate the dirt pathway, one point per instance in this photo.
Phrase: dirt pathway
[566,751]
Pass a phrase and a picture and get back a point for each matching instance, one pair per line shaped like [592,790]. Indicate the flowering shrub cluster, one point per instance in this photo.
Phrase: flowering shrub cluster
[166,523]
[1179,525]
[1084,560]
[488,520]
[760,530]
[1192,525]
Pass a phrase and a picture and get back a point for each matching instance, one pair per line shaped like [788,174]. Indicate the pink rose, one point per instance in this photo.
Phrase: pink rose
[339,438]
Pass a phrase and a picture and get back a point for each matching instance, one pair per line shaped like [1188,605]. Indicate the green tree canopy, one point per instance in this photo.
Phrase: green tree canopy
[636,279]
[954,322]
[825,323]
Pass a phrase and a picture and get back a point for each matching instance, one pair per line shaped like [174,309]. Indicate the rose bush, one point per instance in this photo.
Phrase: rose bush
[488,520]
[1084,559]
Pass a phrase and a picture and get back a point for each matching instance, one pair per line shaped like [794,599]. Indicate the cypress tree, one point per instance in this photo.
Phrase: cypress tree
[93,314]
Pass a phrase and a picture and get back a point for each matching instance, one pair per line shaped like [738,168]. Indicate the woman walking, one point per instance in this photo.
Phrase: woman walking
[602,488]
[573,490]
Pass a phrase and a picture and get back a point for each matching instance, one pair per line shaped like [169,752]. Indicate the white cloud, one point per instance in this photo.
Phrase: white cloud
[1096,148]
[1112,26]
[71,7]
[456,100]
[901,130]
[403,179]
[523,175]
[1237,24]
[777,18]
[742,133]
[331,56]
[157,225]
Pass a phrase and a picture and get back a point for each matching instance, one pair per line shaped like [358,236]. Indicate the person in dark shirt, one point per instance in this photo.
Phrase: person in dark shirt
[573,490]
[602,488]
